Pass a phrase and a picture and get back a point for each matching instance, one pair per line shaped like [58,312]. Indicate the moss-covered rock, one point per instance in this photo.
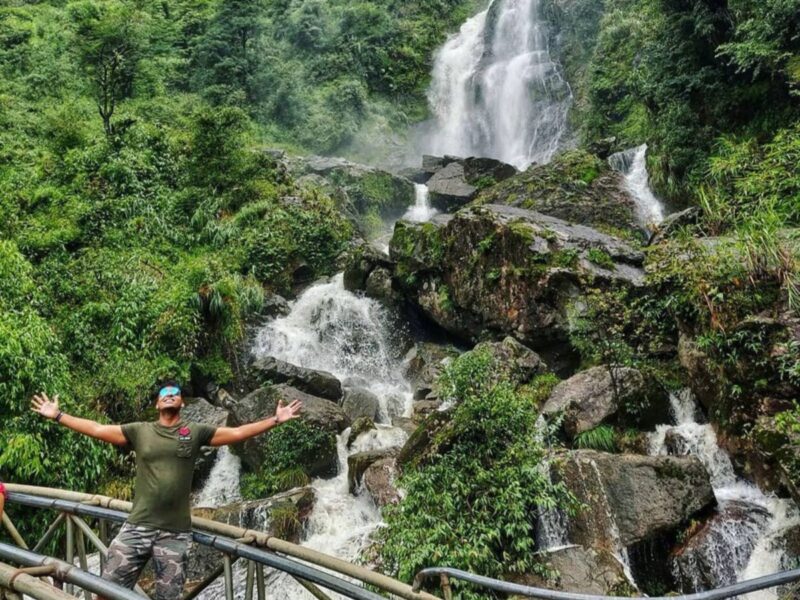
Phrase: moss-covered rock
[362,190]
[576,186]
[496,270]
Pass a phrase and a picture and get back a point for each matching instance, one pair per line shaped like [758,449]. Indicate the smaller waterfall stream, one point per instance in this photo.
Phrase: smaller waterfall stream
[421,210]
[632,164]
[741,540]
[350,336]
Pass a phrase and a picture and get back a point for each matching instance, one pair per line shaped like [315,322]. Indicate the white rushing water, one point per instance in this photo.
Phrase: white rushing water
[222,485]
[495,90]
[421,210]
[350,336]
[632,164]
[741,540]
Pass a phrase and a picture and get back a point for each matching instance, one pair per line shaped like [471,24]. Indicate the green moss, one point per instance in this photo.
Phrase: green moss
[600,258]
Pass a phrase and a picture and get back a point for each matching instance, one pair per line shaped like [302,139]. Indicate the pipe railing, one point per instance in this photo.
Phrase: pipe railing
[106,509]
[730,591]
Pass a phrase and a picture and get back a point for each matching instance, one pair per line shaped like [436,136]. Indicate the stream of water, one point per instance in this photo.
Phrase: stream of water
[350,336]
[495,90]
[742,540]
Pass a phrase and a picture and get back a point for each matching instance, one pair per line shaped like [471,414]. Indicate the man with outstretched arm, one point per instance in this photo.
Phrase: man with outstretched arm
[160,522]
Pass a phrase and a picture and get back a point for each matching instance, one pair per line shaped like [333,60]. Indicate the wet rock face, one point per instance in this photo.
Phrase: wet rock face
[497,270]
[359,403]
[359,462]
[272,515]
[317,412]
[379,481]
[311,381]
[599,394]
[720,548]
[632,498]
[581,571]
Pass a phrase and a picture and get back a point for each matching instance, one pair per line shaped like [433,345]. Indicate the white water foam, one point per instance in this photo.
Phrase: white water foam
[632,164]
[421,211]
[495,90]
[222,485]
[332,329]
[741,541]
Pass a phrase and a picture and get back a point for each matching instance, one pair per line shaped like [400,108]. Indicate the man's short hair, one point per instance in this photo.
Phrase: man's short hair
[167,383]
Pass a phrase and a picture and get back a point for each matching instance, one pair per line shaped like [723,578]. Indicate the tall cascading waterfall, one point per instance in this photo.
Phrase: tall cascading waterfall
[496,91]
[350,336]
[632,164]
[742,540]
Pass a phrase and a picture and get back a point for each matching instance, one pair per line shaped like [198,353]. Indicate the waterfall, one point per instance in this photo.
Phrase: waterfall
[740,541]
[421,211]
[495,91]
[350,336]
[631,163]
[222,485]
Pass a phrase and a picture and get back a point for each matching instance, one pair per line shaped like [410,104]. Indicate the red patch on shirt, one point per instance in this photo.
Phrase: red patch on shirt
[184,431]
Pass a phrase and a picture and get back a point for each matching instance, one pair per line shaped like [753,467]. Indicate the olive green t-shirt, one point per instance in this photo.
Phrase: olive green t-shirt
[164,467]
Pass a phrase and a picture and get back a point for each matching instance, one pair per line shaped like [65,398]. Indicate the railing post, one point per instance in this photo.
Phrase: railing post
[448,591]
[262,589]
[70,550]
[248,588]
[228,577]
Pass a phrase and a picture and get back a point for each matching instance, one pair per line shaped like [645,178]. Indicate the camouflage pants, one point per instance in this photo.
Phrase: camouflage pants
[130,550]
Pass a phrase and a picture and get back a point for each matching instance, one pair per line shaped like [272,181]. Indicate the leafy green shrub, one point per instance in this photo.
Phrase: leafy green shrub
[602,437]
[288,452]
[475,505]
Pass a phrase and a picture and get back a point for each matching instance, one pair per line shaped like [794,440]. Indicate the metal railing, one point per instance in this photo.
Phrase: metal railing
[730,591]
[257,548]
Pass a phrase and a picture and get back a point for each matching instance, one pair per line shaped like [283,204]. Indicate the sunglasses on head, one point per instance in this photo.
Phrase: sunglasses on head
[169,391]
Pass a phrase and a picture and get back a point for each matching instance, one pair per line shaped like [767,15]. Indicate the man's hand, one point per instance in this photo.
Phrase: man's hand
[234,435]
[287,413]
[44,406]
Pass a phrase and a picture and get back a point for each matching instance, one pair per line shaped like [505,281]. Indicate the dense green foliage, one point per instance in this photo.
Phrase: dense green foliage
[314,72]
[140,225]
[285,451]
[474,505]
[680,75]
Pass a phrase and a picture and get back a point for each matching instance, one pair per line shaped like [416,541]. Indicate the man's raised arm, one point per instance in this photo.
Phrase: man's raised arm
[49,408]
[233,435]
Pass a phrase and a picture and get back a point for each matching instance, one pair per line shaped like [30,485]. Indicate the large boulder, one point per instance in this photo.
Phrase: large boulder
[600,394]
[493,271]
[361,188]
[278,516]
[362,260]
[576,186]
[359,403]
[358,463]
[581,571]
[456,181]
[200,410]
[425,363]
[319,413]
[630,498]
[317,383]
[379,481]
[513,361]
